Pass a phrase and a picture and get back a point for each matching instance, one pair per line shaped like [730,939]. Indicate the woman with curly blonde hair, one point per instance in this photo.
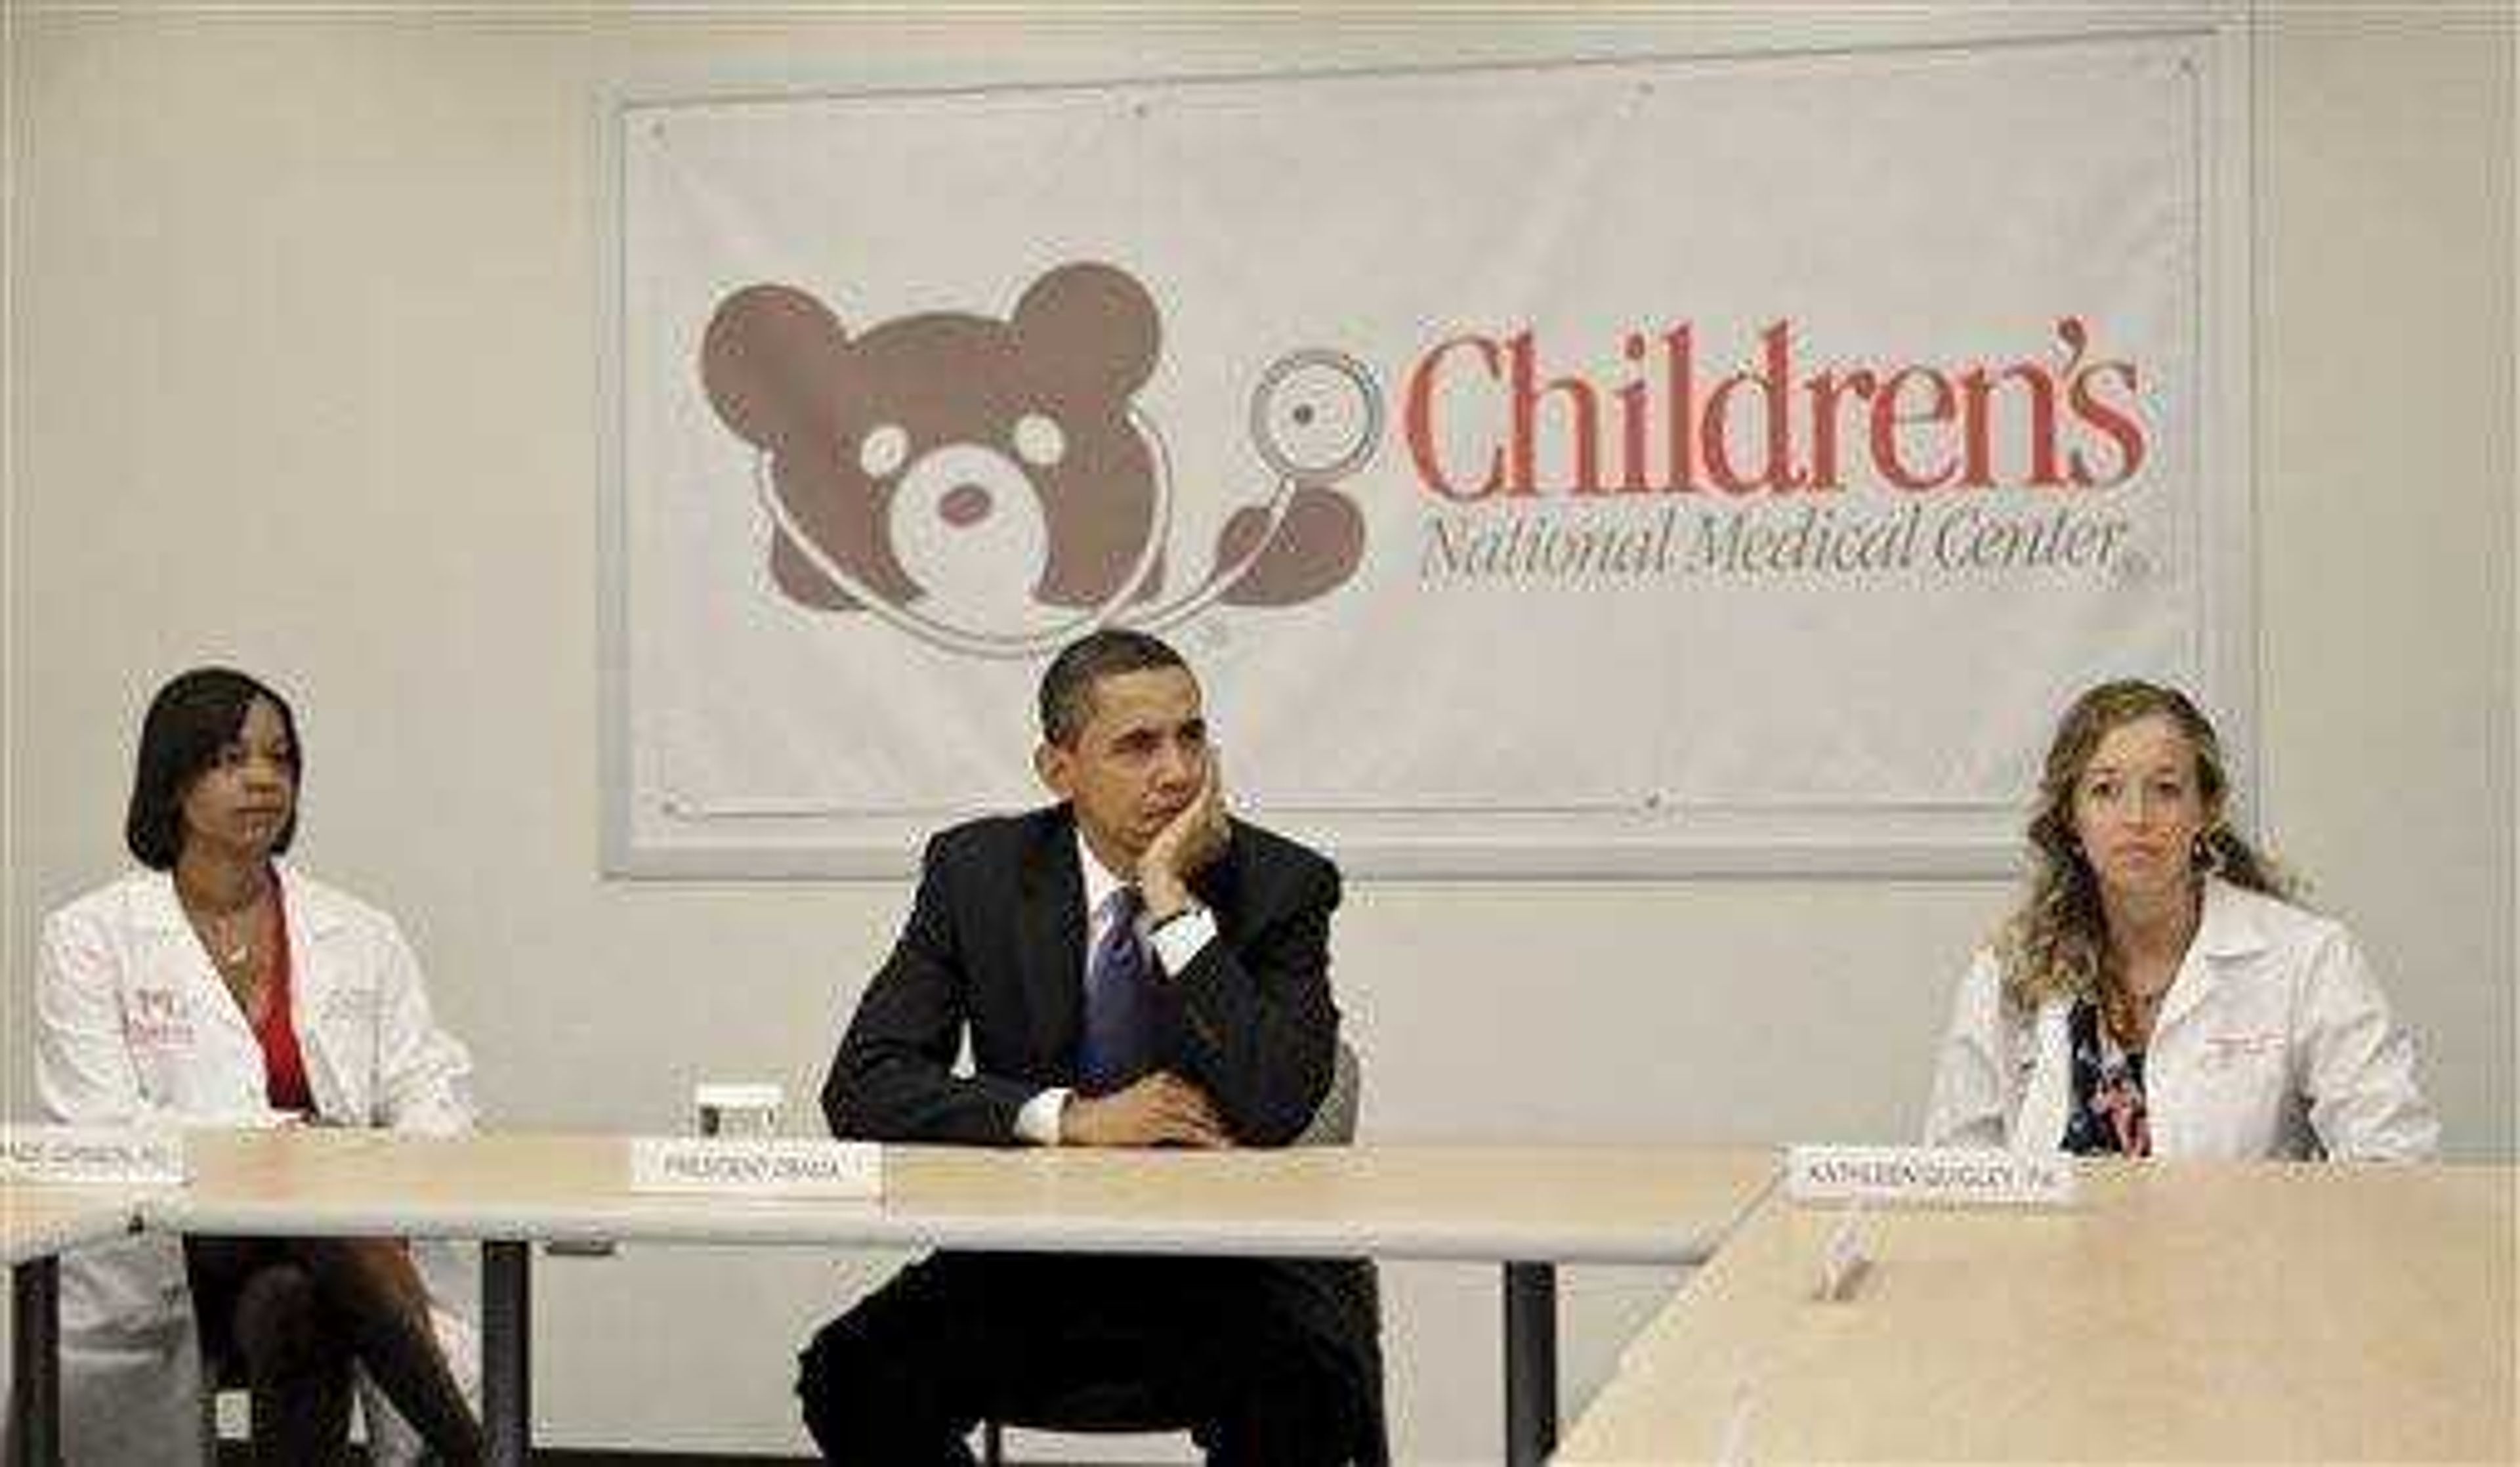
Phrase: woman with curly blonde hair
[2157,993]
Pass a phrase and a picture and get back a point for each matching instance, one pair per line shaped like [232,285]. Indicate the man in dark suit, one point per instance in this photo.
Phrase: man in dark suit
[1135,969]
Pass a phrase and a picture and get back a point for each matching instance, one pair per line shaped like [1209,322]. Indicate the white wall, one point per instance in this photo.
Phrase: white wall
[301,371]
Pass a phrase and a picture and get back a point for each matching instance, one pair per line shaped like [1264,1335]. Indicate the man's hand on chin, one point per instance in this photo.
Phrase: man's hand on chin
[1187,843]
[1158,1110]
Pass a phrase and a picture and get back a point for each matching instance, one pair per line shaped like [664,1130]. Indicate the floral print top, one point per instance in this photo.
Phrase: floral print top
[2106,1115]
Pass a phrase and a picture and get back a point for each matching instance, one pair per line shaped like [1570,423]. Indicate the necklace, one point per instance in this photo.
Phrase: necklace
[232,951]
[2129,1011]
[227,935]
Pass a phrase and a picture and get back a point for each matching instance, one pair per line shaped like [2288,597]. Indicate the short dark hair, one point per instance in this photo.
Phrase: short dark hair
[1068,687]
[193,716]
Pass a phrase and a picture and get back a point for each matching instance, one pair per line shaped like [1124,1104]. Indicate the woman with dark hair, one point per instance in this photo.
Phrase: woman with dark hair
[217,984]
[2157,993]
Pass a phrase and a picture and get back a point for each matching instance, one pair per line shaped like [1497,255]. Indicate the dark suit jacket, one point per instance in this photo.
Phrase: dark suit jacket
[995,942]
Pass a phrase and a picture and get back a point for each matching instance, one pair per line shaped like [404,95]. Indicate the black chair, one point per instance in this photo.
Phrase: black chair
[1121,1407]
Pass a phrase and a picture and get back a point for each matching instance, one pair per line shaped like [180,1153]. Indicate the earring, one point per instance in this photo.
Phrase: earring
[2206,853]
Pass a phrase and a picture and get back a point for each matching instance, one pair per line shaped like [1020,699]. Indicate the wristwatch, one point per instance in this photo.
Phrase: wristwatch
[1149,927]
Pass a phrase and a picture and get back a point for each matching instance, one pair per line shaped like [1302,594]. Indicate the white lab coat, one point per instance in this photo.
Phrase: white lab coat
[2273,1042]
[134,1027]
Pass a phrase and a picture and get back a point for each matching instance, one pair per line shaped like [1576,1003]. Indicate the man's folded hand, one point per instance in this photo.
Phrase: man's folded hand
[1158,1110]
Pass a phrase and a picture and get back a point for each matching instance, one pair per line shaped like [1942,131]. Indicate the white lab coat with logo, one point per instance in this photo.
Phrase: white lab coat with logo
[134,1027]
[2273,1042]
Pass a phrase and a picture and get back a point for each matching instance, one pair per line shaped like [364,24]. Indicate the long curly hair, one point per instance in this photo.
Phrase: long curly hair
[2057,943]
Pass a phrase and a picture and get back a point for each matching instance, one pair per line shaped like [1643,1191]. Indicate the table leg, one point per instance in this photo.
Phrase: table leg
[507,1353]
[35,1400]
[1530,1363]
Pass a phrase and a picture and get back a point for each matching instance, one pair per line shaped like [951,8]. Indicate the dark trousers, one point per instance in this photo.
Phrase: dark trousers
[291,1315]
[1223,1346]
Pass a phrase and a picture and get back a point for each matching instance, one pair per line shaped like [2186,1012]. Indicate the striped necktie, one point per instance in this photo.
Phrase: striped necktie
[1119,1005]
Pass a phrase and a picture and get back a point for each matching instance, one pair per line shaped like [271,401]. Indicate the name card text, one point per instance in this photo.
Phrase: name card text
[96,1155]
[1951,1178]
[756,1167]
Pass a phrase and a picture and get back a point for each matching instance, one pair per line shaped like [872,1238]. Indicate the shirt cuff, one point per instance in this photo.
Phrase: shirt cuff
[1037,1121]
[1180,938]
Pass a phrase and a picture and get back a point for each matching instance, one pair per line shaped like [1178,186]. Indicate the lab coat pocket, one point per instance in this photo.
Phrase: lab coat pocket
[345,1021]
[2235,1098]
[2243,1052]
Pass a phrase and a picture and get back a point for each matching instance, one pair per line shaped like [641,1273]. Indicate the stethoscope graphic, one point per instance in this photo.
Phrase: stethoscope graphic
[1315,418]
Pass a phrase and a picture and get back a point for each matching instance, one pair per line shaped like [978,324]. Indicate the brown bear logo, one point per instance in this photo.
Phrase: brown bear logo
[980,462]
[842,422]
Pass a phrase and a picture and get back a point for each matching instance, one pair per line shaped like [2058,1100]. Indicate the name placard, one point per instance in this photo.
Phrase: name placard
[92,1155]
[756,1167]
[1920,1174]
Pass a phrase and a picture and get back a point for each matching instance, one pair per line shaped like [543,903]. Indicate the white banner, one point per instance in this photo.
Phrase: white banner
[1549,469]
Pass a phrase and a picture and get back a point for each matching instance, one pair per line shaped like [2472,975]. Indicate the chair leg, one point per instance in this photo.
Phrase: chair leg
[992,1444]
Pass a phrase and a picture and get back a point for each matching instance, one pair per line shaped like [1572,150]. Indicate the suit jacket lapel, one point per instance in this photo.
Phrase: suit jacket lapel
[1049,923]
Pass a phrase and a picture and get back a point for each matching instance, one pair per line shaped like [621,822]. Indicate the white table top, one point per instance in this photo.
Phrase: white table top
[37,1221]
[2180,1311]
[1557,1203]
